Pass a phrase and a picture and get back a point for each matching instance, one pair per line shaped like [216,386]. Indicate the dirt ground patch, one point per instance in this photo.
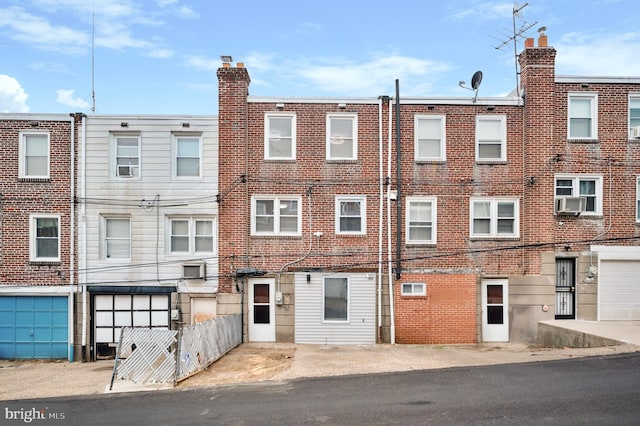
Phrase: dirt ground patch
[246,363]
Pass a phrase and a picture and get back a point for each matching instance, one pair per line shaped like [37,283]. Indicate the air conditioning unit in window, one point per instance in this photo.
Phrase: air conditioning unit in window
[635,132]
[570,205]
[127,171]
[194,271]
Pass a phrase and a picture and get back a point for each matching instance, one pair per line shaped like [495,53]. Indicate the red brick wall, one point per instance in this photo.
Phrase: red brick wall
[20,198]
[447,314]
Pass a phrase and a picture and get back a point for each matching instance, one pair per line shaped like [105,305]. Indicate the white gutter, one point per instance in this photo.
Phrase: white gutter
[389,248]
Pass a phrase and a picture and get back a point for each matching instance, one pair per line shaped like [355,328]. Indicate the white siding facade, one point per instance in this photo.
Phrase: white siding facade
[310,324]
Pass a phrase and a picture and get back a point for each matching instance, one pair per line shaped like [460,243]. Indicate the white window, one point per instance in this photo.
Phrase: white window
[351,216]
[414,289]
[421,220]
[589,187]
[583,115]
[491,138]
[188,156]
[342,137]
[117,237]
[276,215]
[494,217]
[190,235]
[127,155]
[45,238]
[279,136]
[335,299]
[634,116]
[430,141]
[34,155]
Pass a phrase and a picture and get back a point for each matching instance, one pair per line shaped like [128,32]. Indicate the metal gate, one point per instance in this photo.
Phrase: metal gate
[565,288]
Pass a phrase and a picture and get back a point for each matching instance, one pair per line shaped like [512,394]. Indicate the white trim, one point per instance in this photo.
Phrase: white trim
[338,321]
[267,133]
[33,217]
[593,97]
[493,217]
[113,161]
[502,119]
[362,199]
[191,234]
[575,190]
[22,153]
[422,289]
[354,135]
[434,220]
[276,215]
[175,136]
[442,137]
[103,238]
[35,290]
[451,100]
[596,79]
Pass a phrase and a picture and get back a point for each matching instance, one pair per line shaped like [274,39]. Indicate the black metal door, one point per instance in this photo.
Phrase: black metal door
[565,289]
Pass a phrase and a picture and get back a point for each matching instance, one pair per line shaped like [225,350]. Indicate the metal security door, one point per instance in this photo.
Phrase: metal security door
[565,289]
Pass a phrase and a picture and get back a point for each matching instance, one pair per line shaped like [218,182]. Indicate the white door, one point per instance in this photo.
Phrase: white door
[619,290]
[261,311]
[495,310]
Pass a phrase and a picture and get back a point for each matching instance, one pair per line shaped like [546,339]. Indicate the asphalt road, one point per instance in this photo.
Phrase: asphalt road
[596,390]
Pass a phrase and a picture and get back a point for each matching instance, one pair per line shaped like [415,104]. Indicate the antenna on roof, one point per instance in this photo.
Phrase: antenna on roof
[93,26]
[517,11]
[476,79]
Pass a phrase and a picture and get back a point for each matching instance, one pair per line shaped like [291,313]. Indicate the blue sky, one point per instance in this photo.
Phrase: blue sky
[160,56]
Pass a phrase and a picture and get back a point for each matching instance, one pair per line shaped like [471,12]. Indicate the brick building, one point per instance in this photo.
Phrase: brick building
[37,229]
[497,212]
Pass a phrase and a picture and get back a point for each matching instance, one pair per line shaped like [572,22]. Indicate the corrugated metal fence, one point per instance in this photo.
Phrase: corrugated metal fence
[147,356]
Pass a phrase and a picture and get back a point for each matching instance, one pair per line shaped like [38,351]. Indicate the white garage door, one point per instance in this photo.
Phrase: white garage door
[619,292]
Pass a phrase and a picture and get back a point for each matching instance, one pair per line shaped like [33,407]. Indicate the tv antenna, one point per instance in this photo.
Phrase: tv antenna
[524,27]
[476,79]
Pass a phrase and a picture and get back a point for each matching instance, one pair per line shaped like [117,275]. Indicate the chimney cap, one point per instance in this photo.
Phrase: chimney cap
[226,59]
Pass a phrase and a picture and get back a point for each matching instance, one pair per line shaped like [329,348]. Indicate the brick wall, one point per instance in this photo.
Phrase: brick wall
[446,314]
[21,197]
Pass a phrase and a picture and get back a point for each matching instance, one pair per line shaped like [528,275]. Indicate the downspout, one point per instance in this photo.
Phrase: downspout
[392,327]
[83,234]
[399,186]
[380,218]
[72,223]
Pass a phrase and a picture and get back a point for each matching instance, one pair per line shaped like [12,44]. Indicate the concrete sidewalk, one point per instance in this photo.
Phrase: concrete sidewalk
[253,362]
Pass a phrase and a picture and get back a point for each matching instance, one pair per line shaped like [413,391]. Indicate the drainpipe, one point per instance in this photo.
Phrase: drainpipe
[389,249]
[399,185]
[380,218]
[83,235]
[72,222]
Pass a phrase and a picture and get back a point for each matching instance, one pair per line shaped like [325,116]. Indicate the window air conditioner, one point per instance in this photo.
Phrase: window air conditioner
[194,271]
[570,205]
[635,132]
[127,171]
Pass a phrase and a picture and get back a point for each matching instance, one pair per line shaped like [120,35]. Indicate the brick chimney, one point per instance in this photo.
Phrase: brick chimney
[233,206]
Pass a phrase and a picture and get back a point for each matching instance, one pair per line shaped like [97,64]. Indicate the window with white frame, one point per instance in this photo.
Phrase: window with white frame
[494,217]
[279,136]
[430,141]
[127,155]
[188,156]
[589,187]
[335,299]
[634,116]
[491,138]
[342,137]
[276,215]
[583,115]
[117,237]
[414,289]
[189,235]
[45,238]
[638,199]
[351,215]
[421,220]
[34,155]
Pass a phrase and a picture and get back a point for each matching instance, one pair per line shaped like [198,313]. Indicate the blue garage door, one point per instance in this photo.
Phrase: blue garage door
[33,327]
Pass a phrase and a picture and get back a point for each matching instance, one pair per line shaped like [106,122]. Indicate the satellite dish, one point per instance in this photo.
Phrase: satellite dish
[476,80]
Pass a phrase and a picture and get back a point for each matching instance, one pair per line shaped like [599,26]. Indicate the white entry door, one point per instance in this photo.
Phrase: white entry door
[495,310]
[261,311]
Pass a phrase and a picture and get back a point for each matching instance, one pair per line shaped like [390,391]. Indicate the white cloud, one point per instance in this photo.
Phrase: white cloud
[65,97]
[203,63]
[616,53]
[13,98]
